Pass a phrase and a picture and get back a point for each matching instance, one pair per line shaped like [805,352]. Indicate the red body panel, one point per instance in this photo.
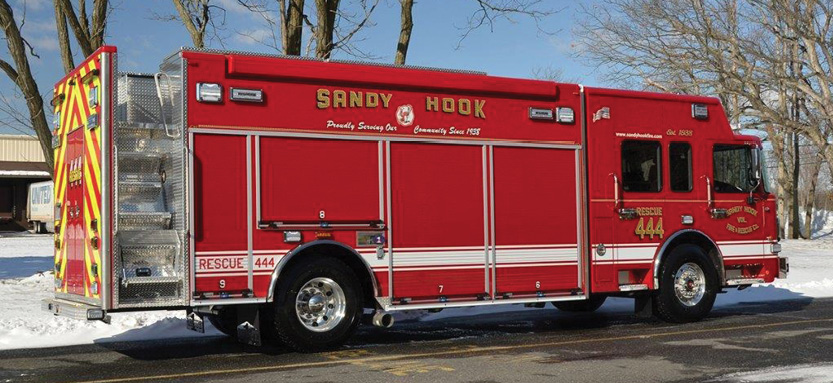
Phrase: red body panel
[477,200]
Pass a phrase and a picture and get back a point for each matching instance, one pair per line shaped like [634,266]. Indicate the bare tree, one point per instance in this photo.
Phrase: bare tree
[292,26]
[89,32]
[406,27]
[768,60]
[20,73]
[486,14]
[203,19]
[333,26]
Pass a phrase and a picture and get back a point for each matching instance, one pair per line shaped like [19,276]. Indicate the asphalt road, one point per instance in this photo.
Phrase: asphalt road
[532,345]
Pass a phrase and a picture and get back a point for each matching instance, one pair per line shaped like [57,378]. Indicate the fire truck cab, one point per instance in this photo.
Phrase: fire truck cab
[292,199]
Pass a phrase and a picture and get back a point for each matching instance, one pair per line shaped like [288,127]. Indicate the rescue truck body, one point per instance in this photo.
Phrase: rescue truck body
[291,198]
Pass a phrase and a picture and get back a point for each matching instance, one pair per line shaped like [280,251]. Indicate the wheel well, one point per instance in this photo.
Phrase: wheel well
[340,252]
[695,238]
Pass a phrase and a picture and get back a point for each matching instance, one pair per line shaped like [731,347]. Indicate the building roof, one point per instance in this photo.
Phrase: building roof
[21,169]
[20,148]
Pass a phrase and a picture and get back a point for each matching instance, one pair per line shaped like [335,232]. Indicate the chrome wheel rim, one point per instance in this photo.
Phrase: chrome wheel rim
[320,304]
[690,284]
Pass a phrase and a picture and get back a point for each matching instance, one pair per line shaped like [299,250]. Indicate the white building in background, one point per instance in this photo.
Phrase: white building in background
[21,163]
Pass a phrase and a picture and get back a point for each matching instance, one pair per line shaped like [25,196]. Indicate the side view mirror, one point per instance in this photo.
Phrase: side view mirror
[756,165]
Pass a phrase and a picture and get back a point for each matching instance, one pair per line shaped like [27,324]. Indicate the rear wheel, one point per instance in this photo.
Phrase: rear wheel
[584,306]
[688,285]
[225,321]
[318,305]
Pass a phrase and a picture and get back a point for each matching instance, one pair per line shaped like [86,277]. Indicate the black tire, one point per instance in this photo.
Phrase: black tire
[668,305]
[583,306]
[288,328]
[225,321]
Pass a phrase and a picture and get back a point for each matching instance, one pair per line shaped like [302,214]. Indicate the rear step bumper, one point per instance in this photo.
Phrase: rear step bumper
[74,310]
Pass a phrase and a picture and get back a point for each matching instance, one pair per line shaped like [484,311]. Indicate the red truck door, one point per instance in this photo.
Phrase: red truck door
[73,211]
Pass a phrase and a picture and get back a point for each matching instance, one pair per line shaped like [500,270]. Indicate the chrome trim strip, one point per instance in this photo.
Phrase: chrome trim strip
[579,234]
[249,229]
[389,201]
[270,295]
[661,255]
[227,302]
[492,220]
[191,227]
[266,133]
[257,178]
[744,281]
[381,181]
[586,255]
[493,302]
[107,89]
[486,220]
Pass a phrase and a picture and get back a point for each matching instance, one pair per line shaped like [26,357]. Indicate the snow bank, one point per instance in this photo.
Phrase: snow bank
[23,324]
[805,373]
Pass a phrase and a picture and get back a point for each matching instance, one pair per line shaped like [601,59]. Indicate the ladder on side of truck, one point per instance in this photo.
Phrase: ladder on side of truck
[150,266]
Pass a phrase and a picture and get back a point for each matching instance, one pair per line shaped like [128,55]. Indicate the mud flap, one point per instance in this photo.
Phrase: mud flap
[248,331]
[643,306]
[195,322]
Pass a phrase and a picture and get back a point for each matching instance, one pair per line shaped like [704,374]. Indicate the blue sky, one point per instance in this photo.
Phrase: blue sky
[515,48]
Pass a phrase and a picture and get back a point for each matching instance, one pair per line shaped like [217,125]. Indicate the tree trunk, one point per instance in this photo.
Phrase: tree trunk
[25,82]
[796,217]
[776,138]
[197,34]
[406,26]
[292,26]
[809,203]
[63,38]
[326,11]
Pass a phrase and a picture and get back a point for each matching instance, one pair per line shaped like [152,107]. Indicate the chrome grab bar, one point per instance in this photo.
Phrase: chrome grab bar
[615,191]
[156,77]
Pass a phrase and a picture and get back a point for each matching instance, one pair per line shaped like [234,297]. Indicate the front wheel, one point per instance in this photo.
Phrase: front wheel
[318,306]
[688,285]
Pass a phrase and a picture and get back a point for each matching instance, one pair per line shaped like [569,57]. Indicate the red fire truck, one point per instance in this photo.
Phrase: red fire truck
[294,199]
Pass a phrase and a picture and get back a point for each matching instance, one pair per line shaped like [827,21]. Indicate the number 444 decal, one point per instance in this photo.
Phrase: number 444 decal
[648,229]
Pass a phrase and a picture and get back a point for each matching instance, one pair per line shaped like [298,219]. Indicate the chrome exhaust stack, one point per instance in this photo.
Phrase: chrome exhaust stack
[382,319]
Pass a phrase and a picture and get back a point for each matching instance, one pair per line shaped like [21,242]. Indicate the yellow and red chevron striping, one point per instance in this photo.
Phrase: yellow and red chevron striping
[73,111]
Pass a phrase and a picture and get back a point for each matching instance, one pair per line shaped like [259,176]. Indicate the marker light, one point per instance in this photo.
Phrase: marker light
[292,236]
[209,92]
[699,111]
[565,115]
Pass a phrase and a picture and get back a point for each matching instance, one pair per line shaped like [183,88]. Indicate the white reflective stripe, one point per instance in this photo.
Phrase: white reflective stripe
[635,253]
[734,250]
[542,255]
[437,258]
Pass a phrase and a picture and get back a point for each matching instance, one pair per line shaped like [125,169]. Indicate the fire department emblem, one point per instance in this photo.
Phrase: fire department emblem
[405,115]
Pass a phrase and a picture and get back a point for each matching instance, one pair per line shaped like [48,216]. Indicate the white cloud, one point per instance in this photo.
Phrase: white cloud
[35,5]
[254,37]
[43,43]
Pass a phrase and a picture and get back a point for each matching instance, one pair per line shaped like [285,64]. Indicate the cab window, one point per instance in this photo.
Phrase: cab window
[641,166]
[679,162]
[733,169]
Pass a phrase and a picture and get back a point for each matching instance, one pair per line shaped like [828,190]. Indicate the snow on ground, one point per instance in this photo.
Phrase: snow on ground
[23,254]
[805,373]
[23,324]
